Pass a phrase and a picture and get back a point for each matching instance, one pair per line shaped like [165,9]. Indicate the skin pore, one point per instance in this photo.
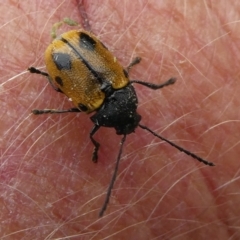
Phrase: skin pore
[49,186]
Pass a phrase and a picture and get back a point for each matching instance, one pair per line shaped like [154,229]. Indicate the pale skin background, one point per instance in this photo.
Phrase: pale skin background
[49,186]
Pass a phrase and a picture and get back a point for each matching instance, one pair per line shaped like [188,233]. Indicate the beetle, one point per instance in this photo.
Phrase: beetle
[81,67]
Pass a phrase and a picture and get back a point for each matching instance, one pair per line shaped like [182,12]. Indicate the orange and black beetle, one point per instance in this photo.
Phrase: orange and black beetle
[81,67]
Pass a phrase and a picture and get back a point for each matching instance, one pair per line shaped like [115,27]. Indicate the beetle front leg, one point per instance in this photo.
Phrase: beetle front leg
[95,143]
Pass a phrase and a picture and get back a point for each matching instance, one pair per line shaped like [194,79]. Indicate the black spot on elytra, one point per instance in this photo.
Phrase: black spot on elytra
[62,61]
[85,41]
[82,107]
[59,81]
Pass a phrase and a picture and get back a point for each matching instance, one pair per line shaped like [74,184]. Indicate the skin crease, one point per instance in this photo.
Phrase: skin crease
[49,186]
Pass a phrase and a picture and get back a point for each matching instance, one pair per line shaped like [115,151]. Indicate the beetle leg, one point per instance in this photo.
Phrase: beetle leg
[95,143]
[135,61]
[43,111]
[37,71]
[155,86]
[114,176]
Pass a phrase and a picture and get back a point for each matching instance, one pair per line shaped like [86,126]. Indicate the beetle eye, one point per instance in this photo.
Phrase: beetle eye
[82,107]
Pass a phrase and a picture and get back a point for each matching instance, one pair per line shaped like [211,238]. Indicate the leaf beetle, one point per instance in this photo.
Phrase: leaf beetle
[81,67]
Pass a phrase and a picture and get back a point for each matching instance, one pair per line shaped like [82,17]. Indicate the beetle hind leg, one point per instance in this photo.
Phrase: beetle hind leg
[135,61]
[45,74]
[37,71]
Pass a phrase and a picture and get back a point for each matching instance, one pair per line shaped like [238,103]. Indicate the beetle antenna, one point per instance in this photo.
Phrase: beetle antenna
[106,201]
[178,147]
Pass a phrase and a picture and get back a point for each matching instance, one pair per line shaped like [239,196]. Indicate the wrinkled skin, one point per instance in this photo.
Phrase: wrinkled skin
[49,186]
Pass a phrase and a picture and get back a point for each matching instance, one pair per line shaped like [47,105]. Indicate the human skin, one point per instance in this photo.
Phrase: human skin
[49,186]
